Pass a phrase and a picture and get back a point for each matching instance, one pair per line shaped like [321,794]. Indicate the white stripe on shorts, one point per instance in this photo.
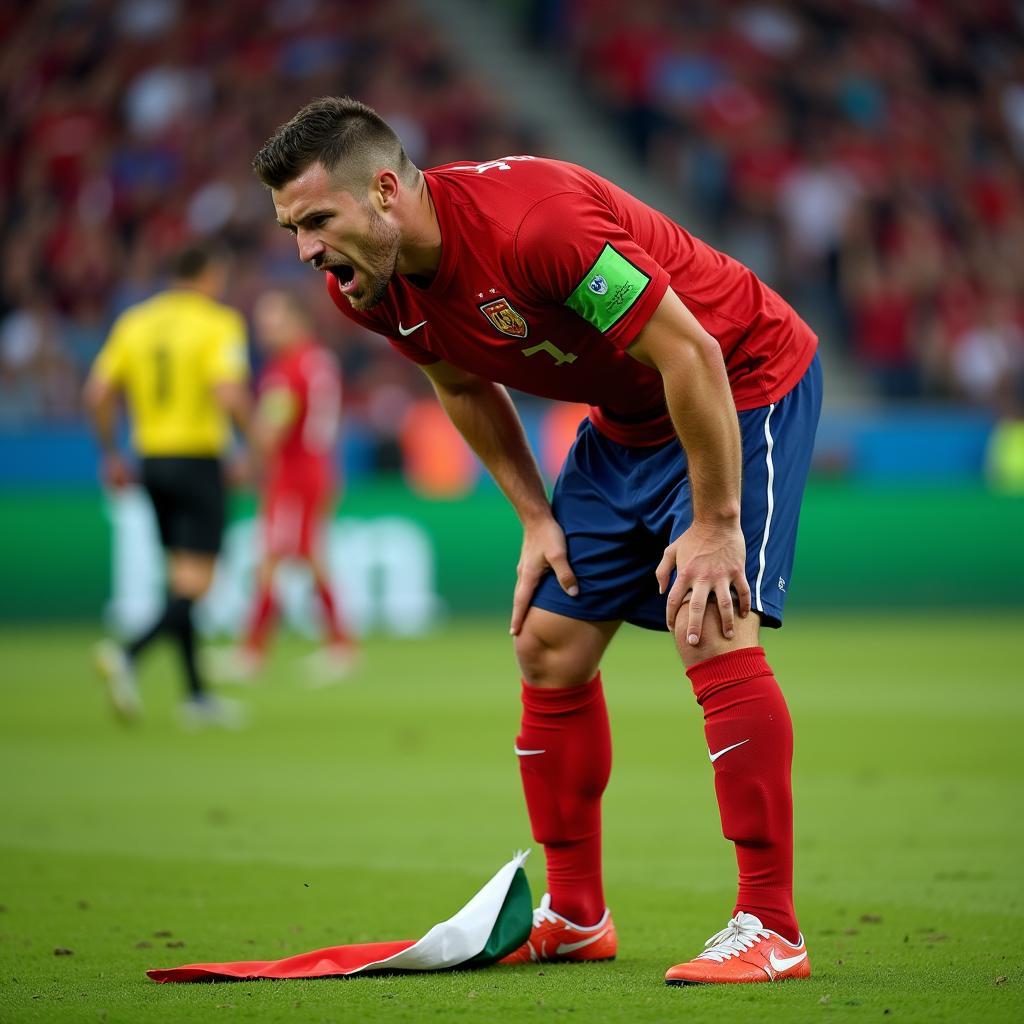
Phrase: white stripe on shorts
[771,506]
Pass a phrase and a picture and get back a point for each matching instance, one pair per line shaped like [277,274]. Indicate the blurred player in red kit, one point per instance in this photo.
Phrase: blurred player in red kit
[296,432]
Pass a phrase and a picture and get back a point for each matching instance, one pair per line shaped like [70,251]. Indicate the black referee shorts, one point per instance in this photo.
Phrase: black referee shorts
[189,500]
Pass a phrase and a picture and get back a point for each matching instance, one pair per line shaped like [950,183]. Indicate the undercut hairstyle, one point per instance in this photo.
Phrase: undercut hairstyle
[350,139]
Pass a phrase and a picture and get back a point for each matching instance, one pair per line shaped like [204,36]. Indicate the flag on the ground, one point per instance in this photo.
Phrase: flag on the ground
[491,925]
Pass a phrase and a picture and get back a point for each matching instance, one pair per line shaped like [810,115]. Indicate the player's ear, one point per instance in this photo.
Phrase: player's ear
[385,190]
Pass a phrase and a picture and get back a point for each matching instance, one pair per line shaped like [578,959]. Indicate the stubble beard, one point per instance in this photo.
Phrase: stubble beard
[380,256]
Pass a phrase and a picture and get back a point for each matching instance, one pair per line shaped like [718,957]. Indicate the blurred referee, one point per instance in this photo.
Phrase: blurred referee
[180,360]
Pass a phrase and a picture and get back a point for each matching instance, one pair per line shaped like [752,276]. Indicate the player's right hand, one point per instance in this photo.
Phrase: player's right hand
[240,471]
[115,471]
[543,548]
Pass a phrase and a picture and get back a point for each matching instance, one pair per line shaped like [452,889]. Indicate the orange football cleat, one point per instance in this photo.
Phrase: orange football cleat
[743,952]
[555,939]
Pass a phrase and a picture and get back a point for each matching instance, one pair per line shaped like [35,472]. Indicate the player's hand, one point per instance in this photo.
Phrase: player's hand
[240,471]
[115,471]
[543,549]
[706,559]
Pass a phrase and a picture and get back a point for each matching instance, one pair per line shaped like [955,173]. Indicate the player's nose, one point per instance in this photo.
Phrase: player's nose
[309,246]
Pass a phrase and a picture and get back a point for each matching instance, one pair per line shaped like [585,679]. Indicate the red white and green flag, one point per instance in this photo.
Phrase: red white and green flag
[491,925]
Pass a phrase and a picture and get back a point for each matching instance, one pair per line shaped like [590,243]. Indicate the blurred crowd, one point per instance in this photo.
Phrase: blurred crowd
[128,129]
[866,157]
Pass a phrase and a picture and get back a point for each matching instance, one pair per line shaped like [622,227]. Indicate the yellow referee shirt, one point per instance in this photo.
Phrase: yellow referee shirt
[167,354]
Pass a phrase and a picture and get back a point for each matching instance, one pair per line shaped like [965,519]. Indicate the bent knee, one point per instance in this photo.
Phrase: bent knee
[712,641]
[537,658]
[548,664]
[190,575]
[559,652]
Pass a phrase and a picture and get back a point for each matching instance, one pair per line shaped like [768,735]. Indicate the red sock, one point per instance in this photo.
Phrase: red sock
[744,710]
[336,633]
[563,782]
[261,621]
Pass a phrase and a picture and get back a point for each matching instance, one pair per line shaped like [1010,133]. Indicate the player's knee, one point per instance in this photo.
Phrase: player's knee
[543,663]
[535,656]
[190,576]
[744,807]
[712,641]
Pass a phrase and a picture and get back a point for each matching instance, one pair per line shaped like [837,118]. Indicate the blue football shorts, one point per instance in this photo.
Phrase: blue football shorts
[620,507]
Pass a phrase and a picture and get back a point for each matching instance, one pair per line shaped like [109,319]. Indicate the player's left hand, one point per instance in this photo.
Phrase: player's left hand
[706,559]
[543,548]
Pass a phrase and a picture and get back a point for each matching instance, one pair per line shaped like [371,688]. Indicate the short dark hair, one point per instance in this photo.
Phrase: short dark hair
[191,261]
[336,131]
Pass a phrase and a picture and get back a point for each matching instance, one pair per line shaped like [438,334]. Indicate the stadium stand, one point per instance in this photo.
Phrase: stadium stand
[863,157]
[128,129]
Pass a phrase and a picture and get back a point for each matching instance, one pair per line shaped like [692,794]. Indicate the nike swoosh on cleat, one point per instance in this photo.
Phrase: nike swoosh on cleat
[406,331]
[781,964]
[527,753]
[570,947]
[725,750]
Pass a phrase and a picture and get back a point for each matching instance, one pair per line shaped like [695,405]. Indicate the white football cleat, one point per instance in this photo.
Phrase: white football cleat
[233,664]
[210,712]
[331,664]
[118,675]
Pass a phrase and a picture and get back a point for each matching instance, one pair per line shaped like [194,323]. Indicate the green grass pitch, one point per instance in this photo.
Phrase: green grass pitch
[376,808]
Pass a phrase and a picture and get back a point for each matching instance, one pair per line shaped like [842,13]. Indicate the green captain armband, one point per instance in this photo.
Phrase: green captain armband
[608,289]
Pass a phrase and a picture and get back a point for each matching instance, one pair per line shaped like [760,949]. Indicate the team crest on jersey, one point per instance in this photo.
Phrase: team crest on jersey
[505,318]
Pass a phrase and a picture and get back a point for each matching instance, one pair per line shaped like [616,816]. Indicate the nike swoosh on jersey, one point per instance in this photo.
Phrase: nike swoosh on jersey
[527,753]
[406,331]
[784,963]
[569,947]
[725,750]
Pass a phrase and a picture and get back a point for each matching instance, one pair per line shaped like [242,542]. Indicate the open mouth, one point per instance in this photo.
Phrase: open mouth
[345,275]
[343,272]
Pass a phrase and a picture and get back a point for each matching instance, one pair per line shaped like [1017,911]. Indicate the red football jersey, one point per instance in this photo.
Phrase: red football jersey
[548,272]
[306,451]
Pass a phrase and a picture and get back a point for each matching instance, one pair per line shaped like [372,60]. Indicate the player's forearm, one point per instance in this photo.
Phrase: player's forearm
[265,437]
[700,402]
[236,401]
[102,412]
[104,423]
[487,419]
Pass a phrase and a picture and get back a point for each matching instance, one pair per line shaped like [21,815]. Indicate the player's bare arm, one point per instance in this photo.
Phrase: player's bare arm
[485,416]
[276,411]
[100,399]
[709,557]
[234,398]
